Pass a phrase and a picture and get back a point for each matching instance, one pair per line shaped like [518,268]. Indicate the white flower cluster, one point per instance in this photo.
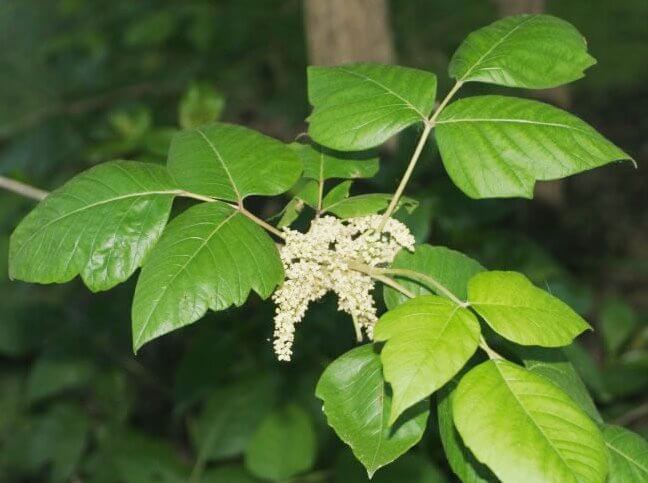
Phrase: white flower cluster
[318,261]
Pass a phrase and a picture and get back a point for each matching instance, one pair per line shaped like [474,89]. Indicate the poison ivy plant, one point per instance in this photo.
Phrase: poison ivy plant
[497,419]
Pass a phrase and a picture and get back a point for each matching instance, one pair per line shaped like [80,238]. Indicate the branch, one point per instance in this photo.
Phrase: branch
[22,189]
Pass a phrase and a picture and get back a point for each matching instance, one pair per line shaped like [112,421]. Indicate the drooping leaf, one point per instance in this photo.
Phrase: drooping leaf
[232,162]
[429,339]
[321,163]
[359,106]
[100,225]
[554,365]
[461,461]
[450,268]
[497,146]
[627,455]
[210,257]
[230,417]
[526,429]
[369,204]
[533,51]
[283,446]
[521,312]
[357,407]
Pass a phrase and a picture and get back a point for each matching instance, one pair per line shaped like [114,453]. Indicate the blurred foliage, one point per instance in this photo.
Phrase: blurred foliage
[87,81]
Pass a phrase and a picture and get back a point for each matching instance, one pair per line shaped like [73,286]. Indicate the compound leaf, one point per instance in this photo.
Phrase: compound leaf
[497,146]
[450,268]
[357,407]
[232,162]
[100,225]
[526,429]
[521,312]
[429,339]
[533,51]
[359,106]
[211,256]
[627,455]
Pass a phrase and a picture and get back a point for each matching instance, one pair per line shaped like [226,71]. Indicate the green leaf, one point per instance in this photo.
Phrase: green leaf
[496,146]
[290,212]
[100,224]
[461,461]
[525,428]
[232,162]
[554,365]
[627,455]
[359,106]
[409,468]
[200,105]
[321,163]
[429,339]
[336,195]
[357,407]
[521,312]
[533,51]
[618,320]
[369,204]
[50,376]
[283,446]
[450,268]
[211,256]
[230,418]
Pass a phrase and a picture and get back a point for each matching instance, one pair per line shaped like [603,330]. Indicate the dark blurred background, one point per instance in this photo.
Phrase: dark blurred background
[86,81]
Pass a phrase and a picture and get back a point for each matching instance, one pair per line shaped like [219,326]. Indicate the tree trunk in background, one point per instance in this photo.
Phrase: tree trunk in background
[340,31]
[550,192]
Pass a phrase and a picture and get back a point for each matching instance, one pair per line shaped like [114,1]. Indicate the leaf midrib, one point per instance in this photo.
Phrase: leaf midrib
[629,458]
[182,269]
[222,162]
[517,121]
[395,94]
[93,205]
[497,44]
[528,415]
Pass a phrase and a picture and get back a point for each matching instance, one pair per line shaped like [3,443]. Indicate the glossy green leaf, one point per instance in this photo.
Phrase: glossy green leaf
[461,461]
[533,51]
[321,163]
[232,162]
[369,204]
[497,146]
[230,417]
[450,268]
[554,365]
[359,106]
[526,429]
[283,446]
[357,407]
[429,339]
[100,225]
[210,257]
[521,312]
[627,455]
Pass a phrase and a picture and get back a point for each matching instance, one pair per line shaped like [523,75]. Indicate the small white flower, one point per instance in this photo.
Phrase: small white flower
[316,262]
